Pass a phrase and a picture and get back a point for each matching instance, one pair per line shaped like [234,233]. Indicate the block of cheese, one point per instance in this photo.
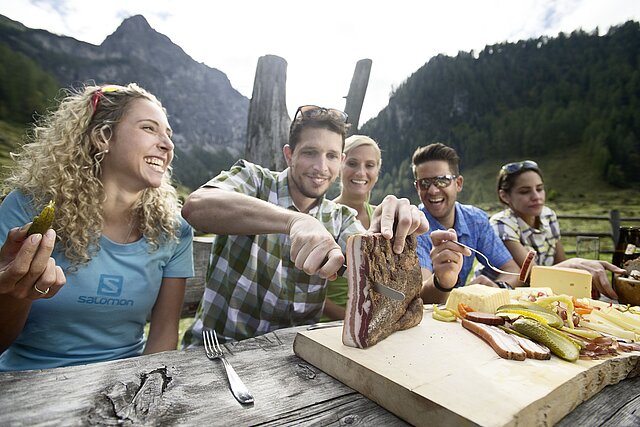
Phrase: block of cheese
[479,297]
[567,281]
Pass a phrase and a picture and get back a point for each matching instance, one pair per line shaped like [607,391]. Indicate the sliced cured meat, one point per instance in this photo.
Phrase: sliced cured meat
[370,316]
[533,349]
[525,270]
[486,318]
[502,343]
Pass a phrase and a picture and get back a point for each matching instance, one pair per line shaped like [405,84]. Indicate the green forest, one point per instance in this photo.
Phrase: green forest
[24,87]
[25,90]
[576,94]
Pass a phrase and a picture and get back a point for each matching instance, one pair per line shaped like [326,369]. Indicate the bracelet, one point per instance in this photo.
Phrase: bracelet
[436,284]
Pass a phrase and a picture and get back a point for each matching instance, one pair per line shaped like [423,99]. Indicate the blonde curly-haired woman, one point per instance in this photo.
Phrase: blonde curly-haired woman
[122,252]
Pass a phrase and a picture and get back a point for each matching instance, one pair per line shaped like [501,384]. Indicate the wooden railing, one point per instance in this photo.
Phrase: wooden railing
[615,221]
[195,284]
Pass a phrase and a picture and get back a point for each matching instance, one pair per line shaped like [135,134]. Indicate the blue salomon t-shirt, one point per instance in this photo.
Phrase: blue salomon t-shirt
[100,313]
[473,229]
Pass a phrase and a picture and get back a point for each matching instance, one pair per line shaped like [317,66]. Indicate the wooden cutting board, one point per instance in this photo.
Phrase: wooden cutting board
[439,373]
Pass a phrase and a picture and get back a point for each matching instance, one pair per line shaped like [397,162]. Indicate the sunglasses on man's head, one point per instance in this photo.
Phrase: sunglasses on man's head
[518,166]
[442,181]
[313,111]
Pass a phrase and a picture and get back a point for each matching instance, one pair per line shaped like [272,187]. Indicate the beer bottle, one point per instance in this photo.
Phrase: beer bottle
[628,246]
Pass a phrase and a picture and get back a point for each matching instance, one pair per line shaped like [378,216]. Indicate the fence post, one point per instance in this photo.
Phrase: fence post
[357,91]
[614,218]
[268,122]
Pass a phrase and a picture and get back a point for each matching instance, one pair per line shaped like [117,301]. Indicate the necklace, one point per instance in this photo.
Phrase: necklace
[132,223]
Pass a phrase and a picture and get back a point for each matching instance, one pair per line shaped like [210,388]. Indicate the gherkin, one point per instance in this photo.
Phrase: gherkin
[43,222]
[557,342]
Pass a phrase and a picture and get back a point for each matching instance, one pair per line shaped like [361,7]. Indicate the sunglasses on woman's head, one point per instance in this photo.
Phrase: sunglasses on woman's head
[95,98]
[313,111]
[442,181]
[518,166]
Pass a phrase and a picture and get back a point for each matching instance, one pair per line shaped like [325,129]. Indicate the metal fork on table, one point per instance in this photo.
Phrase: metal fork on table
[213,350]
[496,269]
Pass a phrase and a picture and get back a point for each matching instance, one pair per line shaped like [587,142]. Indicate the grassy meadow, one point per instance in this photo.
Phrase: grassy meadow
[572,188]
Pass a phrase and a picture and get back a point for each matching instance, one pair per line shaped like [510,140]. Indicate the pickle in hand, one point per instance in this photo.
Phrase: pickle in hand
[43,222]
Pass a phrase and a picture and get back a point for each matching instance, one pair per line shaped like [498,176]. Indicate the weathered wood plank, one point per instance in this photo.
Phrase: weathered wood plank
[195,284]
[268,124]
[357,91]
[184,388]
[615,405]
[422,373]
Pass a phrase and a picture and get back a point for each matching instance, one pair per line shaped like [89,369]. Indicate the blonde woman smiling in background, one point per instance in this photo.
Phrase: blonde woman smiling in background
[358,174]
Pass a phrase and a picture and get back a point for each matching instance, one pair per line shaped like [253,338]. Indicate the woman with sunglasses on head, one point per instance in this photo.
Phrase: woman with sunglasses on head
[358,174]
[118,252]
[528,224]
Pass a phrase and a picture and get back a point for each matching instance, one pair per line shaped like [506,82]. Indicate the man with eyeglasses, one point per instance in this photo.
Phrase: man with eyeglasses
[438,182]
[277,238]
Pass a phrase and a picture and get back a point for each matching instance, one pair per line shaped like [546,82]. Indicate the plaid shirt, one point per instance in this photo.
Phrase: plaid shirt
[253,287]
[508,226]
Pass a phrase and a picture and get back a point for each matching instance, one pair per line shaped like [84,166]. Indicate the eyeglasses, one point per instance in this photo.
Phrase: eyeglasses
[95,98]
[441,181]
[514,167]
[313,111]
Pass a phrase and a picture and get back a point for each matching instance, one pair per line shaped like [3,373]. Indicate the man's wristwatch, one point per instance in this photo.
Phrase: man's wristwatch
[436,284]
[504,285]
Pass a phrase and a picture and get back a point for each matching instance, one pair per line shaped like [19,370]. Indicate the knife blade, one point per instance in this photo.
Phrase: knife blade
[379,287]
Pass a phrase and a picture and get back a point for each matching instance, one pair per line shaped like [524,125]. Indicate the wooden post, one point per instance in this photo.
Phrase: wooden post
[357,91]
[614,216]
[268,123]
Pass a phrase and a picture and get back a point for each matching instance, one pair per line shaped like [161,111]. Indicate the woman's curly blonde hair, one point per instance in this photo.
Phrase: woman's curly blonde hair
[61,159]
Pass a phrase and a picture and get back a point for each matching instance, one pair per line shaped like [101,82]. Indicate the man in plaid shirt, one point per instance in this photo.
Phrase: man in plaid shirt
[277,238]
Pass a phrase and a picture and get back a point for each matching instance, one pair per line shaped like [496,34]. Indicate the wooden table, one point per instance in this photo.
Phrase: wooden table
[185,388]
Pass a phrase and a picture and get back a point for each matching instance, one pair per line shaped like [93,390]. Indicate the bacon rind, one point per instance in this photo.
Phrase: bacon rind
[370,316]
[533,349]
[502,343]
[357,305]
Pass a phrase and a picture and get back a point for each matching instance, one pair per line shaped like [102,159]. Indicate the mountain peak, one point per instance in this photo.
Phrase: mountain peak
[136,24]
[136,38]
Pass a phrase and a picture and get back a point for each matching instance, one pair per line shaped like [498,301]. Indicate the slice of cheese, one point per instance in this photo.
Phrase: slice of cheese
[567,281]
[479,297]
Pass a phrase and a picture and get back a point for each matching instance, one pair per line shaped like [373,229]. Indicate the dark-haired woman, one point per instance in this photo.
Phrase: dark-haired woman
[528,224]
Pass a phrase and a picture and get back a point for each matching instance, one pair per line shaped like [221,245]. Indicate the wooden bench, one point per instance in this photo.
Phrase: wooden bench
[196,284]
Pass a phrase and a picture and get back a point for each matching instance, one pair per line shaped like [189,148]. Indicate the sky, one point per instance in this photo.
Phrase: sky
[322,41]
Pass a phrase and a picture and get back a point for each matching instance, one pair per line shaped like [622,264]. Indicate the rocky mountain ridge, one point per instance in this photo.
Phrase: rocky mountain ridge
[208,115]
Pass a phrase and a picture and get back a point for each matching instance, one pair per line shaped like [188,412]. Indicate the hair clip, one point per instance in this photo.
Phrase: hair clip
[95,98]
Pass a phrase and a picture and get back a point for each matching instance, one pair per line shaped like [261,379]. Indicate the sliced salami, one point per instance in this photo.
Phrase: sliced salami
[527,265]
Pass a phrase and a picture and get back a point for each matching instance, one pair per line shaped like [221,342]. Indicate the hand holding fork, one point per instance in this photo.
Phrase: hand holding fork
[213,350]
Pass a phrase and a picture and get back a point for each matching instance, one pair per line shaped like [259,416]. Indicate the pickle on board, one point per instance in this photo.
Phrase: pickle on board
[557,342]
[43,222]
